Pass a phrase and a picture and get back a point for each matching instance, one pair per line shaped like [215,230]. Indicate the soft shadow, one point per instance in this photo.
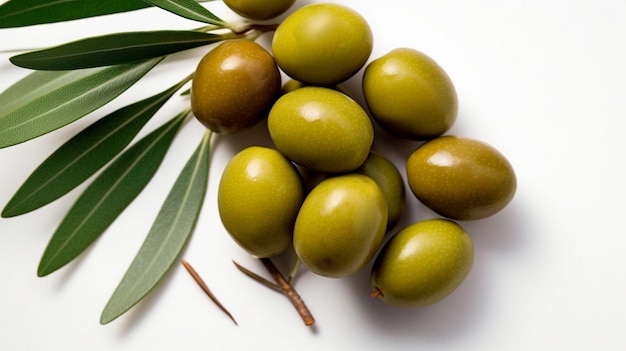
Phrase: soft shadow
[453,316]
[230,144]
[133,317]
[504,232]
[463,310]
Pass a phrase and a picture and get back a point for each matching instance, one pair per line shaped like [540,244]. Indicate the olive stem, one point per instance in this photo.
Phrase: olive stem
[263,28]
[289,291]
[206,289]
[294,270]
[376,293]
[185,80]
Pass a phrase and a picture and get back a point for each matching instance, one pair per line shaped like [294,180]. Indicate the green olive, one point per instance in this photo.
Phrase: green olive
[422,264]
[258,199]
[322,44]
[259,9]
[461,178]
[234,86]
[321,129]
[341,225]
[293,84]
[410,95]
[388,177]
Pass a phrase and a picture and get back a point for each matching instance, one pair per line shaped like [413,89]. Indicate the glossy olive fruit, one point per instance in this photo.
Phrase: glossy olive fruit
[259,9]
[422,264]
[291,85]
[234,86]
[322,44]
[321,129]
[461,178]
[410,95]
[341,225]
[388,177]
[259,195]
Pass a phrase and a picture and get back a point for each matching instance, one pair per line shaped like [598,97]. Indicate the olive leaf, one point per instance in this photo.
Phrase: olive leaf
[167,237]
[20,13]
[189,9]
[84,154]
[114,49]
[109,194]
[45,101]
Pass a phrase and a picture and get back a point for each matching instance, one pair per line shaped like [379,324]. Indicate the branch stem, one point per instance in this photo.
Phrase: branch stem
[289,291]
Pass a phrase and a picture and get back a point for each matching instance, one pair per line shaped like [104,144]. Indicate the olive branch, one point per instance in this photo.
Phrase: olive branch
[74,79]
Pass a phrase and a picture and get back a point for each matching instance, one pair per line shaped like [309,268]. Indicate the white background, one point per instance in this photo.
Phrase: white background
[542,81]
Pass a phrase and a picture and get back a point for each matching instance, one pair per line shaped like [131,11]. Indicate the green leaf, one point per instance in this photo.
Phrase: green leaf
[188,9]
[167,237]
[114,49]
[110,193]
[84,154]
[19,13]
[45,101]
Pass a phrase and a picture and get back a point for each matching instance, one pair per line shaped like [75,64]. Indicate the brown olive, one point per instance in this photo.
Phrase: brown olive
[461,178]
[234,86]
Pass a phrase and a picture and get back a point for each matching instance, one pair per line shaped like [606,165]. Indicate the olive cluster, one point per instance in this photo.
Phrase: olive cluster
[339,225]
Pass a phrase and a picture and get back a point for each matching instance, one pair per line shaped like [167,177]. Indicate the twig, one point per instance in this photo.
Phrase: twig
[289,291]
[258,278]
[206,289]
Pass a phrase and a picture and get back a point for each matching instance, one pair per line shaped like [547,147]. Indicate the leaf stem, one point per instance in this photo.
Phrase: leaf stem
[185,80]
[206,289]
[294,270]
[263,28]
[289,291]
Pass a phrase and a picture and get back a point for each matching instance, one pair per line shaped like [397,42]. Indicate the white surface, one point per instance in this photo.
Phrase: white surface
[543,81]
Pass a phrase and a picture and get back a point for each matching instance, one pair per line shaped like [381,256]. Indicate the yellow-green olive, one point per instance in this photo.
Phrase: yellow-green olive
[341,225]
[410,95]
[258,198]
[321,129]
[388,177]
[461,178]
[322,44]
[422,264]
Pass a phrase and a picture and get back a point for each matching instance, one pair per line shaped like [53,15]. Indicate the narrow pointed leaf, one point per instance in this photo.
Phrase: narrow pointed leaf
[114,49]
[167,237]
[62,98]
[105,199]
[35,85]
[19,13]
[188,9]
[84,154]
